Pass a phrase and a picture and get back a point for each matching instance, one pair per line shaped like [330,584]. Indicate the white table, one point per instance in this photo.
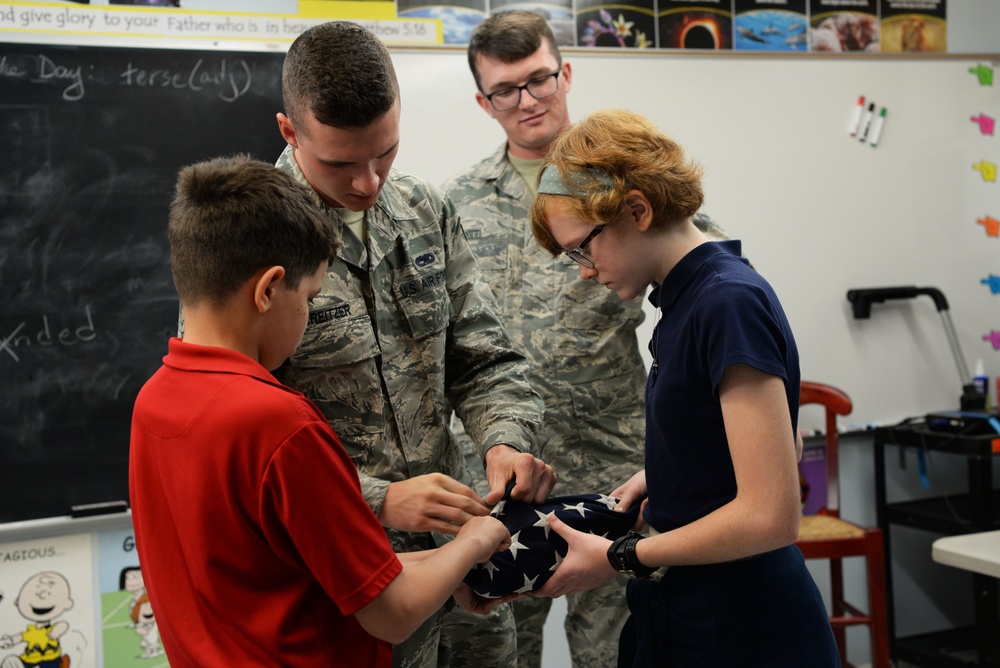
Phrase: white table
[976,552]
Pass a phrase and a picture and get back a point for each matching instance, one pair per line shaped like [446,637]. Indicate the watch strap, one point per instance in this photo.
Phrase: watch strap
[624,559]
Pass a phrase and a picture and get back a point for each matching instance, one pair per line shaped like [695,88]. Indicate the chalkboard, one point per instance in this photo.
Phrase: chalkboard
[92,141]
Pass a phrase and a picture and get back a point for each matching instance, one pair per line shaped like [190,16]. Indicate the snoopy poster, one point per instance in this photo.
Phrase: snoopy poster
[130,636]
[47,611]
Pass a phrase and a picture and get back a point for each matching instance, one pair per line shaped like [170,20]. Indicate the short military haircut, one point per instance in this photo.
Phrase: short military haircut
[510,36]
[233,216]
[340,72]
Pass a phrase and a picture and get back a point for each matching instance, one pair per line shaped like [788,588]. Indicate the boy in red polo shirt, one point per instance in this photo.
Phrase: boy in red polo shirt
[256,545]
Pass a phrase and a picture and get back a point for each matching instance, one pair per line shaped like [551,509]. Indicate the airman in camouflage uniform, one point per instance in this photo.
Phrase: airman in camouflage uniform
[404,330]
[579,337]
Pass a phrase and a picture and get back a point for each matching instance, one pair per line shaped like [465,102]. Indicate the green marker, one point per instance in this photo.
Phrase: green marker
[877,130]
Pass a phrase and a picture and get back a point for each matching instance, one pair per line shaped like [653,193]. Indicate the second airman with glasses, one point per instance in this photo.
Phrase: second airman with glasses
[572,330]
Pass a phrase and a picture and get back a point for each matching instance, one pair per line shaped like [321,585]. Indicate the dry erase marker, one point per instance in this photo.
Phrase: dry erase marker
[866,122]
[877,130]
[852,129]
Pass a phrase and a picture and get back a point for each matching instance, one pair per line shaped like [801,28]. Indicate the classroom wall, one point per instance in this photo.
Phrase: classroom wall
[818,212]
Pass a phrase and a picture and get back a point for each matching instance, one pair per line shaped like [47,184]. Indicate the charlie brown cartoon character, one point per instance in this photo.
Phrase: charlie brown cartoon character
[42,599]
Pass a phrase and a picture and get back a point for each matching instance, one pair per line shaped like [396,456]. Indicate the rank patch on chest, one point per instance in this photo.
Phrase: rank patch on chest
[424,259]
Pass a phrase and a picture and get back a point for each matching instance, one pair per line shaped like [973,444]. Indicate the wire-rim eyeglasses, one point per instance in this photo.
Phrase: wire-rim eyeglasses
[578,255]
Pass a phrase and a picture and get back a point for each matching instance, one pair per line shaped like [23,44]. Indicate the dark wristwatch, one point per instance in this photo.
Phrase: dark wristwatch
[623,558]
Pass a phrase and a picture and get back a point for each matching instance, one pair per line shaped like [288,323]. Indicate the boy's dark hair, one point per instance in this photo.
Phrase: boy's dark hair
[340,72]
[233,216]
[510,36]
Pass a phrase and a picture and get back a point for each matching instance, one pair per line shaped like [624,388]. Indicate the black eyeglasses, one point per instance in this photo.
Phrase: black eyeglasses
[508,98]
[577,254]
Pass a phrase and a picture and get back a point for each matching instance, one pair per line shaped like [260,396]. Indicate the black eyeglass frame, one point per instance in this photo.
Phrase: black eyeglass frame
[577,254]
[526,87]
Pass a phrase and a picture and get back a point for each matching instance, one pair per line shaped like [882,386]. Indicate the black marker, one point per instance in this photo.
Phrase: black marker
[866,123]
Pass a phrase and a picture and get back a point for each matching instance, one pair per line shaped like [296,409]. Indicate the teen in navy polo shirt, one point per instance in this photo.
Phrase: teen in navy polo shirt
[719,580]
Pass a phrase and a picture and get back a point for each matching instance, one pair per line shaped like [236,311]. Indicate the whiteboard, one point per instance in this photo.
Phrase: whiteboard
[819,213]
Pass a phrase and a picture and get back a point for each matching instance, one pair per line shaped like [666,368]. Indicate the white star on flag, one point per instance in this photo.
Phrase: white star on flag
[515,545]
[529,585]
[543,521]
[578,508]
[609,501]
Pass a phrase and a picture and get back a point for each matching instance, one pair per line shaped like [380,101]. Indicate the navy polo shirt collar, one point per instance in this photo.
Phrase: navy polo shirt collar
[663,295]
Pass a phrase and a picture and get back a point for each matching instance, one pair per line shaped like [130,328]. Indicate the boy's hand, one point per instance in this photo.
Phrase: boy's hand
[488,534]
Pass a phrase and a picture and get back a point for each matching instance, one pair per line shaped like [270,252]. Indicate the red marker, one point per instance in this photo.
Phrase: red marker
[852,129]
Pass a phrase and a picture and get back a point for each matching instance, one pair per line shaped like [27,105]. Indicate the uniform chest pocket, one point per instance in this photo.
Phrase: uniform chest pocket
[337,334]
[588,305]
[494,253]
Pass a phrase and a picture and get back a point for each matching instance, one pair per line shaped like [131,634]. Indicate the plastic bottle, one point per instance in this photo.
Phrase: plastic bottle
[982,382]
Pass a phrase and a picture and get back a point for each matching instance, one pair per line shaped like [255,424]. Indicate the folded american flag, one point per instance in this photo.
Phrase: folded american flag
[536,550]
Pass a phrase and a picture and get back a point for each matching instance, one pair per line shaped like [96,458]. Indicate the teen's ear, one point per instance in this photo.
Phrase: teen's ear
[639,209]
[265,286]
[287,130]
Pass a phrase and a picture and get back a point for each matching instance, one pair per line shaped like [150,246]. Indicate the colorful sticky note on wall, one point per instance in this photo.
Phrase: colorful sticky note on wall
[994,338]
[984,73]
[988,170]
[991,224]
[986,123]
[993,281]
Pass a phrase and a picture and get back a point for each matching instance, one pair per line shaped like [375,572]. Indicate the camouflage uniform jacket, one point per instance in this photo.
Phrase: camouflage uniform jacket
[579,336]
[403,332]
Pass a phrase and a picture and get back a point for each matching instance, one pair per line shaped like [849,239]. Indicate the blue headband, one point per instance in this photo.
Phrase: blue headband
[552,182]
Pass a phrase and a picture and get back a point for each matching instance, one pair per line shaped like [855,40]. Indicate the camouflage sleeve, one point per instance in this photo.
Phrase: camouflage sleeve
[373,490]
[485,377]
[709,227]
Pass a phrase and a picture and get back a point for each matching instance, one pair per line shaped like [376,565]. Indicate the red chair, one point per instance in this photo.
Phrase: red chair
[827,536]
